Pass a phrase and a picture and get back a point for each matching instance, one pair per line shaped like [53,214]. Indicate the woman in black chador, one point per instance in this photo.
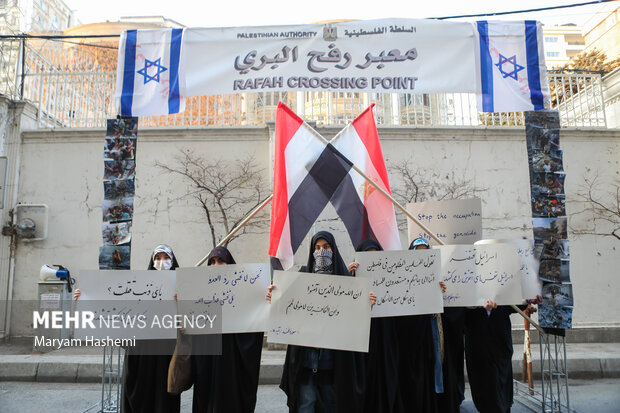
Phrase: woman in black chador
[488,349]
[416,352]
[382,358]
[145,377]
[322,379]
[453,324]
[227,383]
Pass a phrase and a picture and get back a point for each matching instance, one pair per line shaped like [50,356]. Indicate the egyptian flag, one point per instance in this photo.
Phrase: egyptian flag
[366,212]
[306,175]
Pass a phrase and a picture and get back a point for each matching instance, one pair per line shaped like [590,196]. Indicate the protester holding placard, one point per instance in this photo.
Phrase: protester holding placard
[382,357]
[328,380]
[227,383]
[488,349]
[453,327]
[416,352]
[145,377]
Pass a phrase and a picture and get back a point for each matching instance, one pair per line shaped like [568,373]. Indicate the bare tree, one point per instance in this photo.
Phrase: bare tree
[418,185]
[226,191]
[602,204]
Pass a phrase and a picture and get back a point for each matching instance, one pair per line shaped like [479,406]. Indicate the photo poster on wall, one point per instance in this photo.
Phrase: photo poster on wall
[119,168]
[548,198]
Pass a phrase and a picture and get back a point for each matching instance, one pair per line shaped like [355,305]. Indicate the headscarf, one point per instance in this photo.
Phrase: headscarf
[417,242]
[368,244]
[168,251]
[339,266]
[223,254]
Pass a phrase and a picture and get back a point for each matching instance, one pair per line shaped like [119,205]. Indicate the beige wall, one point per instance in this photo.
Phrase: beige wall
[64,169]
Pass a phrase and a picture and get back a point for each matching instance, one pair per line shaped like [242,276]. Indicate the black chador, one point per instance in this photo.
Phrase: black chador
[227,383]
[382,359]
[145,377]
[488,349]
[347,374]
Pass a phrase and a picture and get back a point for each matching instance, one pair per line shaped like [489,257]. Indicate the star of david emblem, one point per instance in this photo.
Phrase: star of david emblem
[508,61]
[145,70]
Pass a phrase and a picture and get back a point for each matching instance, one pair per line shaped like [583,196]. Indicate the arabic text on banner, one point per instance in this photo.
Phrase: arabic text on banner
[384,56]
[405,282]
[317,310]
[239,290]
[135,303]
[474,274]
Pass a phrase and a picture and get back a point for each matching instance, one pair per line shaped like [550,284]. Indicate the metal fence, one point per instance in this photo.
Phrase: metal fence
[77,96]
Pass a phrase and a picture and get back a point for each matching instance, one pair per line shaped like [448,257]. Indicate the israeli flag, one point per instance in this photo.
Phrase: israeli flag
[511,66]
[148,76]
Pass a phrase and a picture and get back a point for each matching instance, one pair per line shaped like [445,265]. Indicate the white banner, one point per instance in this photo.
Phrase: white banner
[456,221]
[238,289]
[128,303]
[530,283]
[384,56]
[474,274]
[405,282]
[317,310]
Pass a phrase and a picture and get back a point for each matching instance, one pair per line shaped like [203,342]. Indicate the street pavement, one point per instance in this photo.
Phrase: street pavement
[600,396]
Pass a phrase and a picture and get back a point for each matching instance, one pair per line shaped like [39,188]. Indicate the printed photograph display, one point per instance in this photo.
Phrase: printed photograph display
[547,184]
[558,294]
[549,229]
[119,148]
[554,271]
[116,234]
[119,189]
[115,170]
[555,316]
[548,206]
[114,257]
[122,126]
[117,210]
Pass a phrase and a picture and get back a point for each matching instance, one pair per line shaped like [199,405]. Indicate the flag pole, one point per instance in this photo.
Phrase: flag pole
[238,227]
[404,210]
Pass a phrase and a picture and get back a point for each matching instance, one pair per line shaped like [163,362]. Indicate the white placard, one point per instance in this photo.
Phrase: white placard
[405,282]
[238,289]
[317,310]
[530,283]
[142,299]
[474,274]
[457,221]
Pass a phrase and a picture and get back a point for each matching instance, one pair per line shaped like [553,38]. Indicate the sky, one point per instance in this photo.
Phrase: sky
[210,13]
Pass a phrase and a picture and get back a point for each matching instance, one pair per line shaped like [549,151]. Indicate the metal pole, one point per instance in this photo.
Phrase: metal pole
[21,85]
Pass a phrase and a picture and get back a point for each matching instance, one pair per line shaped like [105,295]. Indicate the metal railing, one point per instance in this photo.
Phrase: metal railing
[70,96]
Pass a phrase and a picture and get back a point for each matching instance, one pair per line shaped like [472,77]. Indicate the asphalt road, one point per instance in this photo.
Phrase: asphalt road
[600,396]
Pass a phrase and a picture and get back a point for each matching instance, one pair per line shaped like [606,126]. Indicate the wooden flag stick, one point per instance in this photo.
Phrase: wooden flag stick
[238,227]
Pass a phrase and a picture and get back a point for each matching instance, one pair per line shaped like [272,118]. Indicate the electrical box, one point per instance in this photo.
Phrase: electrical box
[31,221]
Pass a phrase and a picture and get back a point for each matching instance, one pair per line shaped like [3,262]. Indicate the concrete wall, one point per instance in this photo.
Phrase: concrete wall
[64,169]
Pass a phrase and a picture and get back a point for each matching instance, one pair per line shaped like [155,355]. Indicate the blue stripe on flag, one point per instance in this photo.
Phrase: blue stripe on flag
[175,56]
[533,72]
[486,67]
[128,72]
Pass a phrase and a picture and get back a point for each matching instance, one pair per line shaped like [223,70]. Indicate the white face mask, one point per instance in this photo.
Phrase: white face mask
[165,264]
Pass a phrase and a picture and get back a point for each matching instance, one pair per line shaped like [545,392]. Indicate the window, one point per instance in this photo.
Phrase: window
[551,39]
[553,54]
